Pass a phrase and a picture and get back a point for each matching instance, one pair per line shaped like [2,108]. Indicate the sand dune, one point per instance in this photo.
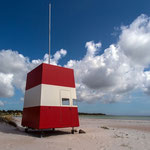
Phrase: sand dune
[120,135]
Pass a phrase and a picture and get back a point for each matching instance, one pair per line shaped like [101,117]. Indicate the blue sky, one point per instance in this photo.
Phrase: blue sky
[24,28]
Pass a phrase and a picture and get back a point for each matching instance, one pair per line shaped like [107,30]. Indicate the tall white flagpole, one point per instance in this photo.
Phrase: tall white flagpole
[49,32]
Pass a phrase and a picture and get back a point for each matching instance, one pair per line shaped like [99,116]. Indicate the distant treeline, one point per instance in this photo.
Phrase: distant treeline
[80,113]
[19,112]
[11,112]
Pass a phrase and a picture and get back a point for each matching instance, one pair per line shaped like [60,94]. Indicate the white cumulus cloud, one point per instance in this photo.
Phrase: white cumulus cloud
[1,104]
[56,57]
[107,77]
[15,66]
[135,40]
[6,87]
[22,99]
[120,69]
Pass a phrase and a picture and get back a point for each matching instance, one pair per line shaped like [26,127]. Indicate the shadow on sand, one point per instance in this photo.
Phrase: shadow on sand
[46,133]
[5,128]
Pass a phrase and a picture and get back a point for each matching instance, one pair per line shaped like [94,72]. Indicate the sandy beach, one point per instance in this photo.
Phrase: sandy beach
[119,135]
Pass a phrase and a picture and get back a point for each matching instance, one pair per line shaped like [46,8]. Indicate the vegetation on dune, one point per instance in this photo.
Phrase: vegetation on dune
[11,112]
[7,116]
[8,119]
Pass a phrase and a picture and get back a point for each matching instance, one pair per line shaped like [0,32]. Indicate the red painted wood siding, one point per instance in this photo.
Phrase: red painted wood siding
[56,75]
[31,117]
[34,77]
[50,117]
[52,75]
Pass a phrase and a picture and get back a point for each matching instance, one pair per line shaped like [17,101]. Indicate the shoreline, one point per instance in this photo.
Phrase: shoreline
[139,125]
[111,117]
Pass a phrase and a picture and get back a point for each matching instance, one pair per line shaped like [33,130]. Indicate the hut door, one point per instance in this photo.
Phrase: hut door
[66,111]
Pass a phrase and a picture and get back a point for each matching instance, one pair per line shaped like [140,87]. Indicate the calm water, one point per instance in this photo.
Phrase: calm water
[116,117]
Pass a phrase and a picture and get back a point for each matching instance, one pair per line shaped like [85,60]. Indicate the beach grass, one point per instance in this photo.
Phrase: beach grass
[8,119]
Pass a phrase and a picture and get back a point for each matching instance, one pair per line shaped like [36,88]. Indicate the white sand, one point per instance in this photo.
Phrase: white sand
[121,135]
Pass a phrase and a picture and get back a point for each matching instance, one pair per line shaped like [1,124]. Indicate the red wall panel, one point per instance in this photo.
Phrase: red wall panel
[34,77]
[58,117]
[31,117]
[49,117]
[56,75]
[50,74]
[44,117]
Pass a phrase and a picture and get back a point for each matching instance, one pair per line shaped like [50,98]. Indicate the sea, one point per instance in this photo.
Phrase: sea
[115,117]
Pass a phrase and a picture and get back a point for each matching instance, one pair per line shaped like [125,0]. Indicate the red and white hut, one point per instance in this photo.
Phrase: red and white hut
[49,98]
